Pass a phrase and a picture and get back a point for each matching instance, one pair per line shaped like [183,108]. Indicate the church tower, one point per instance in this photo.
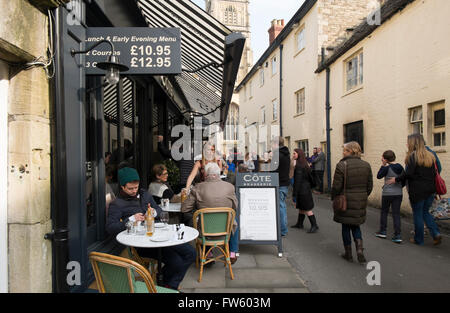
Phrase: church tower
[235,15]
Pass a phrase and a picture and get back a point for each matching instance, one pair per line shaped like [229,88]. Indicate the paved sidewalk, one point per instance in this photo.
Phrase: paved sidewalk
[257,270]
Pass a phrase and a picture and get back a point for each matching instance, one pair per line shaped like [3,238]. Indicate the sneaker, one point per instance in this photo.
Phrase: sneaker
[397,239]
[381,234]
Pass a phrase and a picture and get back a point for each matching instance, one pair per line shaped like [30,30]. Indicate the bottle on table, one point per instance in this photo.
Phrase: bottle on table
[150,220]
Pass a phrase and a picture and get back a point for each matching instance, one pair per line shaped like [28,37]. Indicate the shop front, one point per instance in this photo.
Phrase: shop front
[93,118]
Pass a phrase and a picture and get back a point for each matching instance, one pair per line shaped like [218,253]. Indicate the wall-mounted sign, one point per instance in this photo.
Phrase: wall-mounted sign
[258,213]
[146,51]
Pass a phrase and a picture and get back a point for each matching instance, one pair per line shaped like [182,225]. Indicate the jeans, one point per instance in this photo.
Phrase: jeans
[234,241]
[283,214]
[347,231]
[176,259]
[319,180]
[421,215]
[386,203]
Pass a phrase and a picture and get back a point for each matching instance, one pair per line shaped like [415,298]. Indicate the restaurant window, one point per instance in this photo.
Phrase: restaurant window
[274,110]
[304,145]
[354,71]
[300,101]
[438,124]
[300,40]
[354,132]
[416,120]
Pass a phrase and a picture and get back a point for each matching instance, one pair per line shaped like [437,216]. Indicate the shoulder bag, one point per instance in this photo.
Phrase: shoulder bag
[340,201]
[441,189]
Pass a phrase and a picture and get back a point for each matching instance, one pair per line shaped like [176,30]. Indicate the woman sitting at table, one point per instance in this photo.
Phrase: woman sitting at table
[159,188]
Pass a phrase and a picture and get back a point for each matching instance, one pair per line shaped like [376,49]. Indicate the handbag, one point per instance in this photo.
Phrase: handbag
[340,201]
[441,189]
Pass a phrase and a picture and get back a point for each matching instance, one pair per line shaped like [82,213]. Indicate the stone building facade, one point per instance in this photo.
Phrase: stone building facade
[403,88]
[298,47]
[28,192]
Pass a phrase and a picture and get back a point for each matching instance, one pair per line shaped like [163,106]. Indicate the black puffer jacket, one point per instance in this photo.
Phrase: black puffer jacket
[359,186]
[123,207]
[281,163]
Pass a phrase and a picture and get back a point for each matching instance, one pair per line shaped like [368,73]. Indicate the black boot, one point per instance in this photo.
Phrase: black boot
[359,251]
[314,227]
[348,253]
[301,218]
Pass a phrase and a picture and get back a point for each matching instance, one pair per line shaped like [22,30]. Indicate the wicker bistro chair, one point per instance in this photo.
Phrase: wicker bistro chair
[215,231]
[117,275]
[148,263]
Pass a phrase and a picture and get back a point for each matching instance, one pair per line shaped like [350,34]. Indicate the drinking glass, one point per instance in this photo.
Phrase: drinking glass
[164,218]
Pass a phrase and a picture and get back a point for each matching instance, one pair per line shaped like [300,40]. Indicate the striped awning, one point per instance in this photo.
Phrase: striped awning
[203,42]
[110,103]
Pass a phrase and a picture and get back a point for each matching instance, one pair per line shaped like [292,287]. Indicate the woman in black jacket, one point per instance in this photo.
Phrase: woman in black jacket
[302,193]
[420,181]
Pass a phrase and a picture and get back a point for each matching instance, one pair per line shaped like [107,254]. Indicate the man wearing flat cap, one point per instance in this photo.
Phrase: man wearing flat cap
[131,205]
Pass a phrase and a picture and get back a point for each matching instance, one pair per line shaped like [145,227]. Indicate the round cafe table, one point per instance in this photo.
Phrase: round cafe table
[163,237]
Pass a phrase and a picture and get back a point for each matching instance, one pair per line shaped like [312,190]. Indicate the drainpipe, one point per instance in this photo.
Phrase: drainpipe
[328,108]
[281,90]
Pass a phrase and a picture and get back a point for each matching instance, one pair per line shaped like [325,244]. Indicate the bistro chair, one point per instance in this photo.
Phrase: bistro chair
[148,263]
[118,275]
[215,232]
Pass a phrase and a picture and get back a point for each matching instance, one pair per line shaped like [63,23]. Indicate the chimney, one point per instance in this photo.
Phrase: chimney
[275,29]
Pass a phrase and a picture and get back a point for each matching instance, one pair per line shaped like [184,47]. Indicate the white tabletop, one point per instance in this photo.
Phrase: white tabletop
[144,241]
[173,207]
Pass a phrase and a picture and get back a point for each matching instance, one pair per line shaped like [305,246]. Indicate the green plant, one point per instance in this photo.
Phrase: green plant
[174,172]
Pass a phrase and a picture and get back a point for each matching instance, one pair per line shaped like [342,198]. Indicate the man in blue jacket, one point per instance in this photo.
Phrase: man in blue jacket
[131,205]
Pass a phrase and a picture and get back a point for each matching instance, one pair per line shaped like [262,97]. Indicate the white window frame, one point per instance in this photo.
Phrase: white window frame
[4,86]
[261,76]
[416,119]
[301,145]
[274,63]
[357,72]
[438,129]
[297,93]
[274,110]
[300,42]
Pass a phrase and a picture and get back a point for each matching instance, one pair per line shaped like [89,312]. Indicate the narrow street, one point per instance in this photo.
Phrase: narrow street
[404,267]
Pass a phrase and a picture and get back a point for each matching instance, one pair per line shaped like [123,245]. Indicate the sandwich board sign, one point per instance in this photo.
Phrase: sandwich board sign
[258,211]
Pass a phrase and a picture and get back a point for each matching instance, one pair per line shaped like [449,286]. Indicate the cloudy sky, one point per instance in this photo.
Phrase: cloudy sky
[262,12]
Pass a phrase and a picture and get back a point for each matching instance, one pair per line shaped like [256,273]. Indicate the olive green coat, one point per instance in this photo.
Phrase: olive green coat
[359,187]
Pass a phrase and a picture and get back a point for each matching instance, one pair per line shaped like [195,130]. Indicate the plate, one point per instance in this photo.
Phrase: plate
[159,225]
[159,238]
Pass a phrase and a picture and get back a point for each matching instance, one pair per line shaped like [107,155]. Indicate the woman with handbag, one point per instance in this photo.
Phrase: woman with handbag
[421,175]
[352,185]
[303,182]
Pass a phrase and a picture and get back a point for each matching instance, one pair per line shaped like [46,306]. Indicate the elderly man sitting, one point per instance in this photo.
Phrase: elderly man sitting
[213,193]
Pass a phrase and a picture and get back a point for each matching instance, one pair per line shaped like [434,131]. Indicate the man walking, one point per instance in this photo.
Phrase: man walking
[280,164]
[319,168]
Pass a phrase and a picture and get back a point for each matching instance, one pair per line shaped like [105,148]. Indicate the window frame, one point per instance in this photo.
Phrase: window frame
[439,129]
[357,81]
[299,49]
[275,110]
[303,91]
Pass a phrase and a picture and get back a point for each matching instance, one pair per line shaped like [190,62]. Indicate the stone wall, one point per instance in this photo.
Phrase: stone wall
[24,36]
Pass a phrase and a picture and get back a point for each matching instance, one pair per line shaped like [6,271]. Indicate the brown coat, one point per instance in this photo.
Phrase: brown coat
[359,187]
[213,193]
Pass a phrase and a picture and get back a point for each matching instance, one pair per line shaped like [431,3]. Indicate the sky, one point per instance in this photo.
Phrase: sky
[262,12]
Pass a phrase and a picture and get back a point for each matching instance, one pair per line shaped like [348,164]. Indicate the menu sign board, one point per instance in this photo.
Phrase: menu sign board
[152,51]
[258,213]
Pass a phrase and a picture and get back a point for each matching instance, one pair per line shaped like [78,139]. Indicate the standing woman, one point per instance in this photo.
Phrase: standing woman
[208,155]
[303,182]
[359,184]
[419,177]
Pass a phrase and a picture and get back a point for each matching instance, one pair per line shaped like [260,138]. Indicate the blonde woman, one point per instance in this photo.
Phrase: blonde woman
[419,177]
[359,184]
[208,155]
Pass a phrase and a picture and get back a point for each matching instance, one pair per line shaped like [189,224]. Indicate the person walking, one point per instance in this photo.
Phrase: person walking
[357,175]
[303,182]
[280,163]
[318,164]
[419,177]
[391,196]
